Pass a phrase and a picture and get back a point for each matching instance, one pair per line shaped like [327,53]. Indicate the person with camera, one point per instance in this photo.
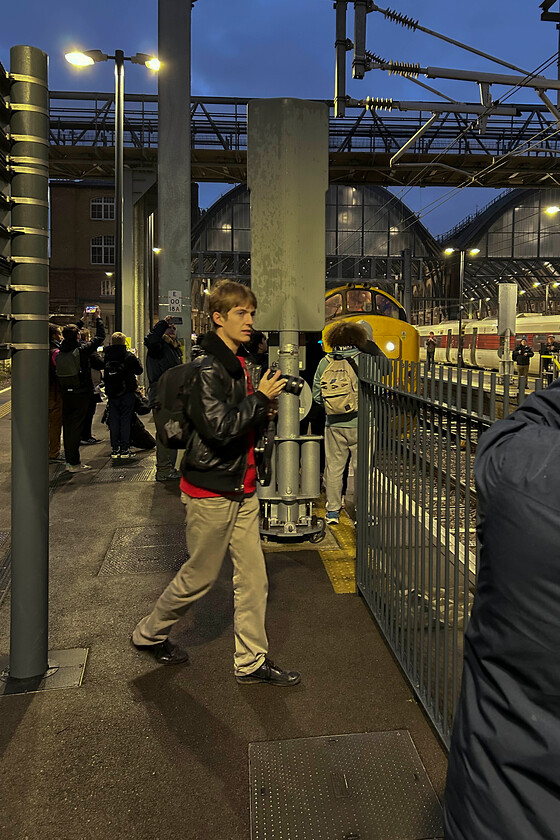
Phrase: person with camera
[522,356]
[163,352]
[219,475]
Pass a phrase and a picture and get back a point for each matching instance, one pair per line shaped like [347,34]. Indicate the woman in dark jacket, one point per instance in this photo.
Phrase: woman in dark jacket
[121,367]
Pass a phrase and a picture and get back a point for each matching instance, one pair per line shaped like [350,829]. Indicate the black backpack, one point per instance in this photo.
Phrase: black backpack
[67,364]
[172,422]
[115,378]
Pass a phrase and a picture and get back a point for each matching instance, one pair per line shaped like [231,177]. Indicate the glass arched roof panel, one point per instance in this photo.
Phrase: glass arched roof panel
[362,221]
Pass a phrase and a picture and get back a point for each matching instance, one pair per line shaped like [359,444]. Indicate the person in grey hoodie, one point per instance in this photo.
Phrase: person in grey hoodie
[341,429]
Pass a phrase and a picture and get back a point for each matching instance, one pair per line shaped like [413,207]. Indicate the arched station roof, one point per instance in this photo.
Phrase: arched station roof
[517,239]
[367,229]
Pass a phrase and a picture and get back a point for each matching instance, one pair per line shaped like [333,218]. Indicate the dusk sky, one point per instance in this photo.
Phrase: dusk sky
[270,48]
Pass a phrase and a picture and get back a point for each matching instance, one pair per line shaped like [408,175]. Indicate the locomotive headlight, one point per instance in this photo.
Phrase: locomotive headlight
[390,346]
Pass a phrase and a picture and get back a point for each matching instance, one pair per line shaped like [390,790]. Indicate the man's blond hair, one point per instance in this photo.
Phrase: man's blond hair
[118,338]
[225,295]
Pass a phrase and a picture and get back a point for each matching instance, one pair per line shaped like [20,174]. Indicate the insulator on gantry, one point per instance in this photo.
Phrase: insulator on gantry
[402,68]
[404,20]
[374,103]
[374,58]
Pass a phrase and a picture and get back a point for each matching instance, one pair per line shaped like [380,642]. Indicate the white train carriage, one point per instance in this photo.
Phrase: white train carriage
[482,344]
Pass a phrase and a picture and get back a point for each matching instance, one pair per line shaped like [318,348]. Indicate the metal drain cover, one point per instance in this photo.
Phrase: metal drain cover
[159,548]
[370,786]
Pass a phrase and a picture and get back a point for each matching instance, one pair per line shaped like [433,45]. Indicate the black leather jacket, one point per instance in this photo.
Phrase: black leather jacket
[221,415]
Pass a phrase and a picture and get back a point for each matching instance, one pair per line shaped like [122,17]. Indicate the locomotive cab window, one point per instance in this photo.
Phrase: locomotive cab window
[333,306]
[386,307]
[359,300]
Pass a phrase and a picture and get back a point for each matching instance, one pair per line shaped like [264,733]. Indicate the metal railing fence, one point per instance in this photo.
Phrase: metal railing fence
[417,553]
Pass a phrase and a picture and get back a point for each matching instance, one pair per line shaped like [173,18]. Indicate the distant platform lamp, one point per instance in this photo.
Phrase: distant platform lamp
[85,59]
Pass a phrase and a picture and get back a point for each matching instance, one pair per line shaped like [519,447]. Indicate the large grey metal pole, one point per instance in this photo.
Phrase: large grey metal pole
[29,282]
[174,160]
[460,317]
[340,45]
[119,178]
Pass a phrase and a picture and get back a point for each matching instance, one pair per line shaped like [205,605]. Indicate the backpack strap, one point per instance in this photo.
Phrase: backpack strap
[349,359]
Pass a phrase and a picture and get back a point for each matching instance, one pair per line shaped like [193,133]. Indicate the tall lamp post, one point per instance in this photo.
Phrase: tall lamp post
[85,59]
[472,252]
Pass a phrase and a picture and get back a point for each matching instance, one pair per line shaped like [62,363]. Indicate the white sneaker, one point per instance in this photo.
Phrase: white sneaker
[74,468]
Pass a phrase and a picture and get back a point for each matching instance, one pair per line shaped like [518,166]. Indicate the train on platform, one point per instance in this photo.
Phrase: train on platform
[482,346]
[384,316]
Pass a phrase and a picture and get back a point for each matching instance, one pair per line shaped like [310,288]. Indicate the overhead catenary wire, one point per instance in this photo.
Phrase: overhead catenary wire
[496,163]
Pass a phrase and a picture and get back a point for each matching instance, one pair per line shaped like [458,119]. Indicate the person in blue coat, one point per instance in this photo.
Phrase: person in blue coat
[504,765]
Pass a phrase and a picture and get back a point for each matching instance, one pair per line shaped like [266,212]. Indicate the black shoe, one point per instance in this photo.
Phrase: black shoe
[270,673]
[168,476]
[166,653]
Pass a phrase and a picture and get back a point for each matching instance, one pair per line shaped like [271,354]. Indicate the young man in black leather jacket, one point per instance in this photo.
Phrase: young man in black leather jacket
[219,474]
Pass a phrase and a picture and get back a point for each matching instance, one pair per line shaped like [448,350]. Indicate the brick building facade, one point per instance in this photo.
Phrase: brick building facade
[82,260]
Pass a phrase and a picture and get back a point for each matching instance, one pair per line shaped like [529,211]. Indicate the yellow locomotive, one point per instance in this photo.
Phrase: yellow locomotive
[371,305]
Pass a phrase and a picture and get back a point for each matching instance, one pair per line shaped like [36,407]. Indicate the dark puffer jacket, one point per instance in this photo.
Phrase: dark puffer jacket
[503,781]
[222,415]
[131,365]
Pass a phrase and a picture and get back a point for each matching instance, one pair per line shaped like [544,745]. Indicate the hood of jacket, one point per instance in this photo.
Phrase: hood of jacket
[115,352]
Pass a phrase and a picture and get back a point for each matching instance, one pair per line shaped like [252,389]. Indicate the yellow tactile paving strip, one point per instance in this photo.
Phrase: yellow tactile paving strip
[5,409]
[340,562]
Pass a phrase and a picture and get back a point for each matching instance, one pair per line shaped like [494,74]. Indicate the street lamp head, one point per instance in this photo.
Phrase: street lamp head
[474,251]
[449,251]
[156,250]
[552,211]
[85,59]
[150,61]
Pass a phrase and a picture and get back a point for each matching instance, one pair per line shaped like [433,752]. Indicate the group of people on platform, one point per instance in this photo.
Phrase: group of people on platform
[76,364]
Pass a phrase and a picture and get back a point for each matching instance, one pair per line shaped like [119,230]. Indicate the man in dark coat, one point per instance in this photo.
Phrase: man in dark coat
[522,356]
[163,352]
[504,781]
[77,398]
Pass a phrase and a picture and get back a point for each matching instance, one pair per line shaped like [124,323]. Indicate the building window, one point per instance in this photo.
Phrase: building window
[102,208]
[103,250]
[107,287]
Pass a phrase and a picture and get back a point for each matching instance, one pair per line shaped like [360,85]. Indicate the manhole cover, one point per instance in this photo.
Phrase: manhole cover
[159,548]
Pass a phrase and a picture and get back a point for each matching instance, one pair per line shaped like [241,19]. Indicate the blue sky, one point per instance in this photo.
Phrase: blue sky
[270,48]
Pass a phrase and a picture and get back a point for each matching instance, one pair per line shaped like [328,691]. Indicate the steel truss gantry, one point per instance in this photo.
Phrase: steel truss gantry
[520,147]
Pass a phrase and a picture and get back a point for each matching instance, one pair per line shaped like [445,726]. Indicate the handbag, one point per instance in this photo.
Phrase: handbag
[142,404]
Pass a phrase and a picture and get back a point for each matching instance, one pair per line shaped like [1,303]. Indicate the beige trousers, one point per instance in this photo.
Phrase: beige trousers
[213,526]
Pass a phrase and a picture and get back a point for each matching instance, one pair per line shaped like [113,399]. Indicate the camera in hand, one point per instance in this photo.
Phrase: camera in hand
[294,384]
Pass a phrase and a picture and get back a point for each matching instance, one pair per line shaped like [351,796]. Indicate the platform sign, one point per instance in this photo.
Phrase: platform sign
[287,174]
[174,299]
